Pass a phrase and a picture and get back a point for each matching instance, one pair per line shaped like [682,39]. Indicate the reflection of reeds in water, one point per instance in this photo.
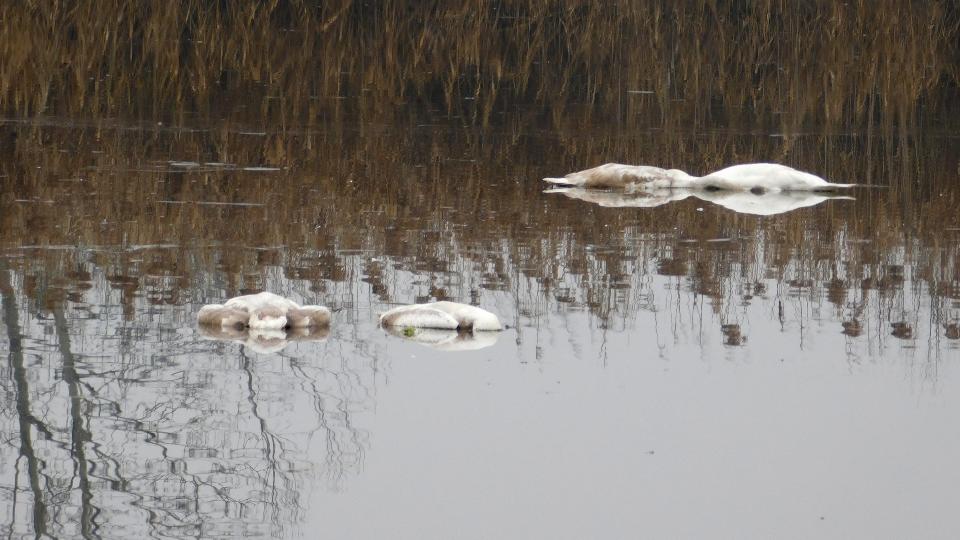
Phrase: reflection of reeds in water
[673,64]
[399,196]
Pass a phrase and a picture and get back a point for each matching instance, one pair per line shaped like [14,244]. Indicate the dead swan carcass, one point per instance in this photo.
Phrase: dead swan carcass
[754,177]
[443,316]
[263,311]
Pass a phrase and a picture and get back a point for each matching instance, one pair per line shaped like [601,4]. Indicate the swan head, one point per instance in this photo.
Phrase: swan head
[268,318]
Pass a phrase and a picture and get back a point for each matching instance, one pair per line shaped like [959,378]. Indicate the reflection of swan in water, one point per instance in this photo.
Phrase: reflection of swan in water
[745,202]
[442,315]
[766,204]
[445,340]
[264,341]
[757,177]
[264,311]
[622,199]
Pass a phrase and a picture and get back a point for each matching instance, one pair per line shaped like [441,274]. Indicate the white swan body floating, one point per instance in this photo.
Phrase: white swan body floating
[263,311]
[743,202]
[755,177]
[442,316]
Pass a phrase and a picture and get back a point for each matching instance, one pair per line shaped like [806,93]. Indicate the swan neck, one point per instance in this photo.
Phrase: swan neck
[681,179]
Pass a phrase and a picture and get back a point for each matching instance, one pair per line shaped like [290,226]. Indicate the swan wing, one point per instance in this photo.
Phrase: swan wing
[209,314]
[220,315]
[615,175]
[419,316]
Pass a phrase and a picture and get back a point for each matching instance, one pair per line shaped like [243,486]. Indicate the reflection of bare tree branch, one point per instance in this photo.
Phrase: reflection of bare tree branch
[336,453]
[23,404]
[273,444]
[121,484]
[79,434]
[13,497]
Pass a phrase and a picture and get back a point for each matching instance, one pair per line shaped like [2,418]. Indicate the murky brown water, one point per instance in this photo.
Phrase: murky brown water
[673,368]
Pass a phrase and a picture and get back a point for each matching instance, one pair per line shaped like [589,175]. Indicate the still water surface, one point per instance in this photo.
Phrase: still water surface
[682,370]
[685,367]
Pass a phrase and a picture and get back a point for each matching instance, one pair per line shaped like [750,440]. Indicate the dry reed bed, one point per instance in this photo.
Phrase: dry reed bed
[786,65]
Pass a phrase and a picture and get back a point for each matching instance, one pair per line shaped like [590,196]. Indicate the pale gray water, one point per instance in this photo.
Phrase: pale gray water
[647,425]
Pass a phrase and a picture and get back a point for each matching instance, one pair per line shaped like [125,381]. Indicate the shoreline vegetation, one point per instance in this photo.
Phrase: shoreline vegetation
[788,66]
